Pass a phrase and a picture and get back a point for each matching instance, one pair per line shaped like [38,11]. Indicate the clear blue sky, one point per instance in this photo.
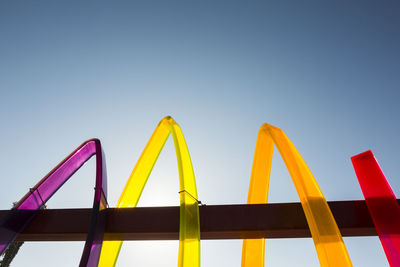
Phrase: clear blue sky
[327,73]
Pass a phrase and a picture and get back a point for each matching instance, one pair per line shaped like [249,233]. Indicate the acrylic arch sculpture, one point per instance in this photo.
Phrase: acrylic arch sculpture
[325,233]
[37,197]
[189,227]
[381,203]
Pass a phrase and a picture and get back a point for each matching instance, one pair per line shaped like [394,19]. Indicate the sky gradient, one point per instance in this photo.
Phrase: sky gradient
[328,74]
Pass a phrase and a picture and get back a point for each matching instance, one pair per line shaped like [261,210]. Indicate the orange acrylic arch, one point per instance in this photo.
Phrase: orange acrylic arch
[189,227]
[325,233]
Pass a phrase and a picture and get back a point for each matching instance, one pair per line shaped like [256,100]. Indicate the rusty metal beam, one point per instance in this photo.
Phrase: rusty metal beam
[278,220]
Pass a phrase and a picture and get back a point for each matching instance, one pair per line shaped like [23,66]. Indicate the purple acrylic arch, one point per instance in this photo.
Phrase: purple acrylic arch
[26,209]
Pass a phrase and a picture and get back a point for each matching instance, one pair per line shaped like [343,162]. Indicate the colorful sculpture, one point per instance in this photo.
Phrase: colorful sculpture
[326,235]
[189,227]
[15,222]
[381,203]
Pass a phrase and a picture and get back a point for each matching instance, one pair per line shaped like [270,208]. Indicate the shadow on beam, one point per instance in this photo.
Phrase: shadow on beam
[277,220]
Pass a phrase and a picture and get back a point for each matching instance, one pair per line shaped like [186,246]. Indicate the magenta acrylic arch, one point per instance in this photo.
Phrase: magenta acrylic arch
[381,203]
[26,209]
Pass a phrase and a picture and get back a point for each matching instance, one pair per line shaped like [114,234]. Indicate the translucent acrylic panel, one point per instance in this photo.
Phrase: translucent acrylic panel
[326,235]
[381,203]
[189,227]
[26,209]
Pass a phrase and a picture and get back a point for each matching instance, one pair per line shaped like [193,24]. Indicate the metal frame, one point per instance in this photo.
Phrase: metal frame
[275,220]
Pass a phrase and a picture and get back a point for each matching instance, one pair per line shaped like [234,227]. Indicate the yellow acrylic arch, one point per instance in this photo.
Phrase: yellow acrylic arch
[189,227]
[325,233]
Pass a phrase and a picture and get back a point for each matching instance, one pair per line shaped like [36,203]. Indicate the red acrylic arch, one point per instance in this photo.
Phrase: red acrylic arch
[381,203]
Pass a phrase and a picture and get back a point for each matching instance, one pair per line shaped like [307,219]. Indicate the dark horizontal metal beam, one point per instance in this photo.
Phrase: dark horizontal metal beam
[277,220]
